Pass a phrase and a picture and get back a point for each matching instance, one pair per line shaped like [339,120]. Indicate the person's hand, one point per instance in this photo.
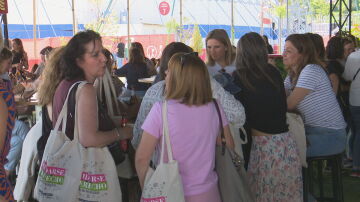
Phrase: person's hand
[272,61]
[126,132]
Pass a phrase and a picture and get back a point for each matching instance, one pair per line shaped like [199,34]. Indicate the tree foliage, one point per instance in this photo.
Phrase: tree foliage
[103,24]
[197,43]
[319,7]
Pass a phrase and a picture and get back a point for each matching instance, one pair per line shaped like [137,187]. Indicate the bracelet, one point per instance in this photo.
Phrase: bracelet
[117,133]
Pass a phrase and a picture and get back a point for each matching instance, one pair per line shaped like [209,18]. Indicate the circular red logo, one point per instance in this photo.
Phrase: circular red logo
[164,8]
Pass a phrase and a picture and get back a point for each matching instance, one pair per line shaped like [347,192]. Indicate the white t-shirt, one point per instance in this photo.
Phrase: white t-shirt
[319,108]
[213,70]
[351,67]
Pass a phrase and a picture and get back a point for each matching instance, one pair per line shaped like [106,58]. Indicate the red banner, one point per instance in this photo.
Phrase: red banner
[153,44]
[3,7]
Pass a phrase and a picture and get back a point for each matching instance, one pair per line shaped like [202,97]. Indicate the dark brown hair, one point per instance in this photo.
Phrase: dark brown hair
[20,44]
[306,48]
[135,55]
[75,49]
[168,52]
[5,54]
[335,48]
[252,60]
[318,44]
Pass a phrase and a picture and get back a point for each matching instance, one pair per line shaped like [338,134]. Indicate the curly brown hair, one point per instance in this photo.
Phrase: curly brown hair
[51,77]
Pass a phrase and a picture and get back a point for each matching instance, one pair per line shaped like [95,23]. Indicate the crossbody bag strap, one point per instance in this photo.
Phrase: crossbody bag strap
[223,141]
[356,74]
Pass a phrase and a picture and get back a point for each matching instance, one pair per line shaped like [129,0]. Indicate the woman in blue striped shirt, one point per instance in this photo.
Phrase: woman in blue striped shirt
[310,93]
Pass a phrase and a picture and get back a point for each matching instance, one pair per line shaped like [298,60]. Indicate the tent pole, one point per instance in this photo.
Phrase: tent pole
[34,29]
[181,22]
[6,31]
[75,27]
[128,26]
[232,22]
[262,18]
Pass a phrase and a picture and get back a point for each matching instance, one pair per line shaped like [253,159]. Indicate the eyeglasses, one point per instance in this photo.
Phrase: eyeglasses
[186,55]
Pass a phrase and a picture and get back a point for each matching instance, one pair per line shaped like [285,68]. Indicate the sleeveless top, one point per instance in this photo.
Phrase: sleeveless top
[17,57]
[105,122]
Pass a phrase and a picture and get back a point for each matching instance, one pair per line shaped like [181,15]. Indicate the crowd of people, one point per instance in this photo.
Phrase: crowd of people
[321,85]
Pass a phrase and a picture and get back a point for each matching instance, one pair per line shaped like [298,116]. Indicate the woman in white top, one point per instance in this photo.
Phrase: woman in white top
[351,73]
[219,52]
[310,93]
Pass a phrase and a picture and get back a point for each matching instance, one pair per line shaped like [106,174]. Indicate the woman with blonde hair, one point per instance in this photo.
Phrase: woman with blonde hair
[188,94]
[219,52]
[35,141]
[51,78]
[234,110]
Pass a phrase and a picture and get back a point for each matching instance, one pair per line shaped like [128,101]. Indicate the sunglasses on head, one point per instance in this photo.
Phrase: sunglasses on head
[187,55]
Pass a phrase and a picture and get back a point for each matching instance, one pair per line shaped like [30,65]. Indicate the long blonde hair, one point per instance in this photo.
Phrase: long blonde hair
[221,36]
[51,77]
[189,80]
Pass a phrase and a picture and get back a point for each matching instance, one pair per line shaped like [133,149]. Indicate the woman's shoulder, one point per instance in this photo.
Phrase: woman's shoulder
[313,69]
[154,93]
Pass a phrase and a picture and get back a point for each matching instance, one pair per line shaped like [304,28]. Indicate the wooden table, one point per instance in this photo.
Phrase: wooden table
[147,80]
[33,101]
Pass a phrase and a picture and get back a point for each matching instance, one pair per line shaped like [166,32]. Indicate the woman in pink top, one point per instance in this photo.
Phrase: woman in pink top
[193,127]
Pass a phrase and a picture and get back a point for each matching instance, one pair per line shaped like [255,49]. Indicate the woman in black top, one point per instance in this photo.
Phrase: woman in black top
[274,169]
[135,70]
[19,55]
[334,55]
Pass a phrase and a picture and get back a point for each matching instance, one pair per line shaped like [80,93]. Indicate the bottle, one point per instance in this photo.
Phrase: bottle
[123,121]
[124,143]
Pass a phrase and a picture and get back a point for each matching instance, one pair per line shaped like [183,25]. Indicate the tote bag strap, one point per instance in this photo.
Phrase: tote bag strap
[62,118]
[76,128]
[110,94]
[165,137]
[223,141]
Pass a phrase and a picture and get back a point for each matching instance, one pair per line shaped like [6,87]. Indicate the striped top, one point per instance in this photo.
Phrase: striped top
[319,108]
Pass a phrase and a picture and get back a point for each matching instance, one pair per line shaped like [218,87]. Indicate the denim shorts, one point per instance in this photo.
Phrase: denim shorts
[324,141]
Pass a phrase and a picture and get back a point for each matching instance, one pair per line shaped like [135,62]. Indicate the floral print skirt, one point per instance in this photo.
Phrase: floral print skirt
[274,169]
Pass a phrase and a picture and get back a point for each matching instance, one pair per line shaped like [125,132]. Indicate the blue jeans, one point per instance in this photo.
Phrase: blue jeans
[355,144]
[324,141]
[18,135]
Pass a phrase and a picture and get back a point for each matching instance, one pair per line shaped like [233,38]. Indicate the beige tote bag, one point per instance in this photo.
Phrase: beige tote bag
[124,169]
[297,132]
[164,184]
[71,172]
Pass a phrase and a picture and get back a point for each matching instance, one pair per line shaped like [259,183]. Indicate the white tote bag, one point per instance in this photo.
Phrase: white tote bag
[99,180]
[164,184]
[25,180]
[297,132]
[60,171]
[71,172]
[105,84]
